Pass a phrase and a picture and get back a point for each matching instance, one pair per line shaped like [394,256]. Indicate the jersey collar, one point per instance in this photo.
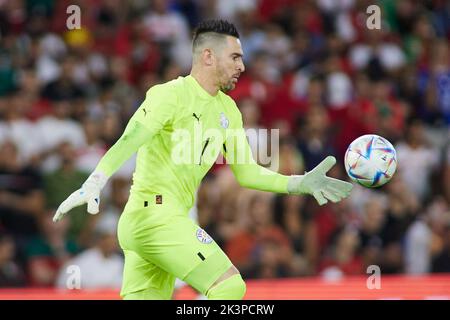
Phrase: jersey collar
[199,89]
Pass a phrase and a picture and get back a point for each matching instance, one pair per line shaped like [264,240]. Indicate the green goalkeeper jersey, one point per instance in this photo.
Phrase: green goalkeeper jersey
[178,132]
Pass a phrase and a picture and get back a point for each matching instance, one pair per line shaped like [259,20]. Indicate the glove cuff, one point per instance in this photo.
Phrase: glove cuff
[97,178]
[293,186]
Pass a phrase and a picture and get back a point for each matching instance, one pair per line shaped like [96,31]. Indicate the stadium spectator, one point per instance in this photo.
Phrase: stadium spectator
[401,209]
[17,128]
[418,159]
[122,91]
[257,138]
[389,113]
[105,103]
[313,141]
[439,217]
[446,175]
[59,184]
[11,274]
[292,216]
[262,249]
[339,88]
[261,83]
[64,87]
[100,266]
[376,54]
[170,30]
[21,197]
[342,257]
[47,252]
[251,36]
[370,237]
[56,129]
[417,253]
[110,127]
[434,85]
[89,155]
[120,186]
[441,262]
[290,159]
[30,87]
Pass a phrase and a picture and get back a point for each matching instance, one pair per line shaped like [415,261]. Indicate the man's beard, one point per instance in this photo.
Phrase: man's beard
[227,87]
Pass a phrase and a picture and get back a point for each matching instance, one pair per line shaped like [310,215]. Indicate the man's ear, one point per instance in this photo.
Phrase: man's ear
[208,57]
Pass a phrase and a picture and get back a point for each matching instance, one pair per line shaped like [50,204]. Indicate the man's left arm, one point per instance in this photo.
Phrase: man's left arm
[248,173]
[251,175]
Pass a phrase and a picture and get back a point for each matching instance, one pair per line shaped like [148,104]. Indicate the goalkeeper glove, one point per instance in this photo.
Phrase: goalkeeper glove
[317,184]
[88,193]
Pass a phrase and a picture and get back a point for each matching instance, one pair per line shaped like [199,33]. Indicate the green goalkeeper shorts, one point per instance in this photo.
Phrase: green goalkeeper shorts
[161,243]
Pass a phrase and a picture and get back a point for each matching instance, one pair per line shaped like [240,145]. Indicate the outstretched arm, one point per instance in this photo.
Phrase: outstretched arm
[251,175]
[247,172]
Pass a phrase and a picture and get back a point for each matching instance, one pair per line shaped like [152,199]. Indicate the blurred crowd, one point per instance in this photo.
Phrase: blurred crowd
[314,71]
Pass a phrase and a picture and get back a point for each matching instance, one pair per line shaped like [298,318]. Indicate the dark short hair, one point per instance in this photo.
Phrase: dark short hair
[216,26]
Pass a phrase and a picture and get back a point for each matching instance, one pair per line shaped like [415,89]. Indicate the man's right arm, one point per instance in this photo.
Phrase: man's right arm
[134,136]
[155,112]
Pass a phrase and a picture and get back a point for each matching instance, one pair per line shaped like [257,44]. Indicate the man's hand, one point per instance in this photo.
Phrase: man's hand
[317,184]
[88,193]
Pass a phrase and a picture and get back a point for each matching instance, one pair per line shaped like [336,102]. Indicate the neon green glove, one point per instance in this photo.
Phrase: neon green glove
[88,193]
[317,184]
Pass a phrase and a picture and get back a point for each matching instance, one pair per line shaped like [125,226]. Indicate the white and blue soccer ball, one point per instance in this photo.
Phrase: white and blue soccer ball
[370,160]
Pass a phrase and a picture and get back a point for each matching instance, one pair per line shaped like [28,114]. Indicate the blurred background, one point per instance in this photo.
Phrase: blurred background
[314,71]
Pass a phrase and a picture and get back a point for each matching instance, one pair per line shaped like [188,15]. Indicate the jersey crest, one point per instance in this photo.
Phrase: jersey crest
[203,237]
[224,121]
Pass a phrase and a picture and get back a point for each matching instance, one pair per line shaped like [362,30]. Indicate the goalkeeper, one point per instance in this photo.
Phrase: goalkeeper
[160,242]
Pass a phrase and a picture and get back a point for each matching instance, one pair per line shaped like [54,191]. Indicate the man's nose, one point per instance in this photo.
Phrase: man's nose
[241,67]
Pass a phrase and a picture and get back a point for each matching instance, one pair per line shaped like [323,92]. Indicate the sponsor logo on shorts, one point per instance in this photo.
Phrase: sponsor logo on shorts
[203,237]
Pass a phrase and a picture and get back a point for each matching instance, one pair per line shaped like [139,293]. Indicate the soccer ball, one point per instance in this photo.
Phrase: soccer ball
[370,160]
